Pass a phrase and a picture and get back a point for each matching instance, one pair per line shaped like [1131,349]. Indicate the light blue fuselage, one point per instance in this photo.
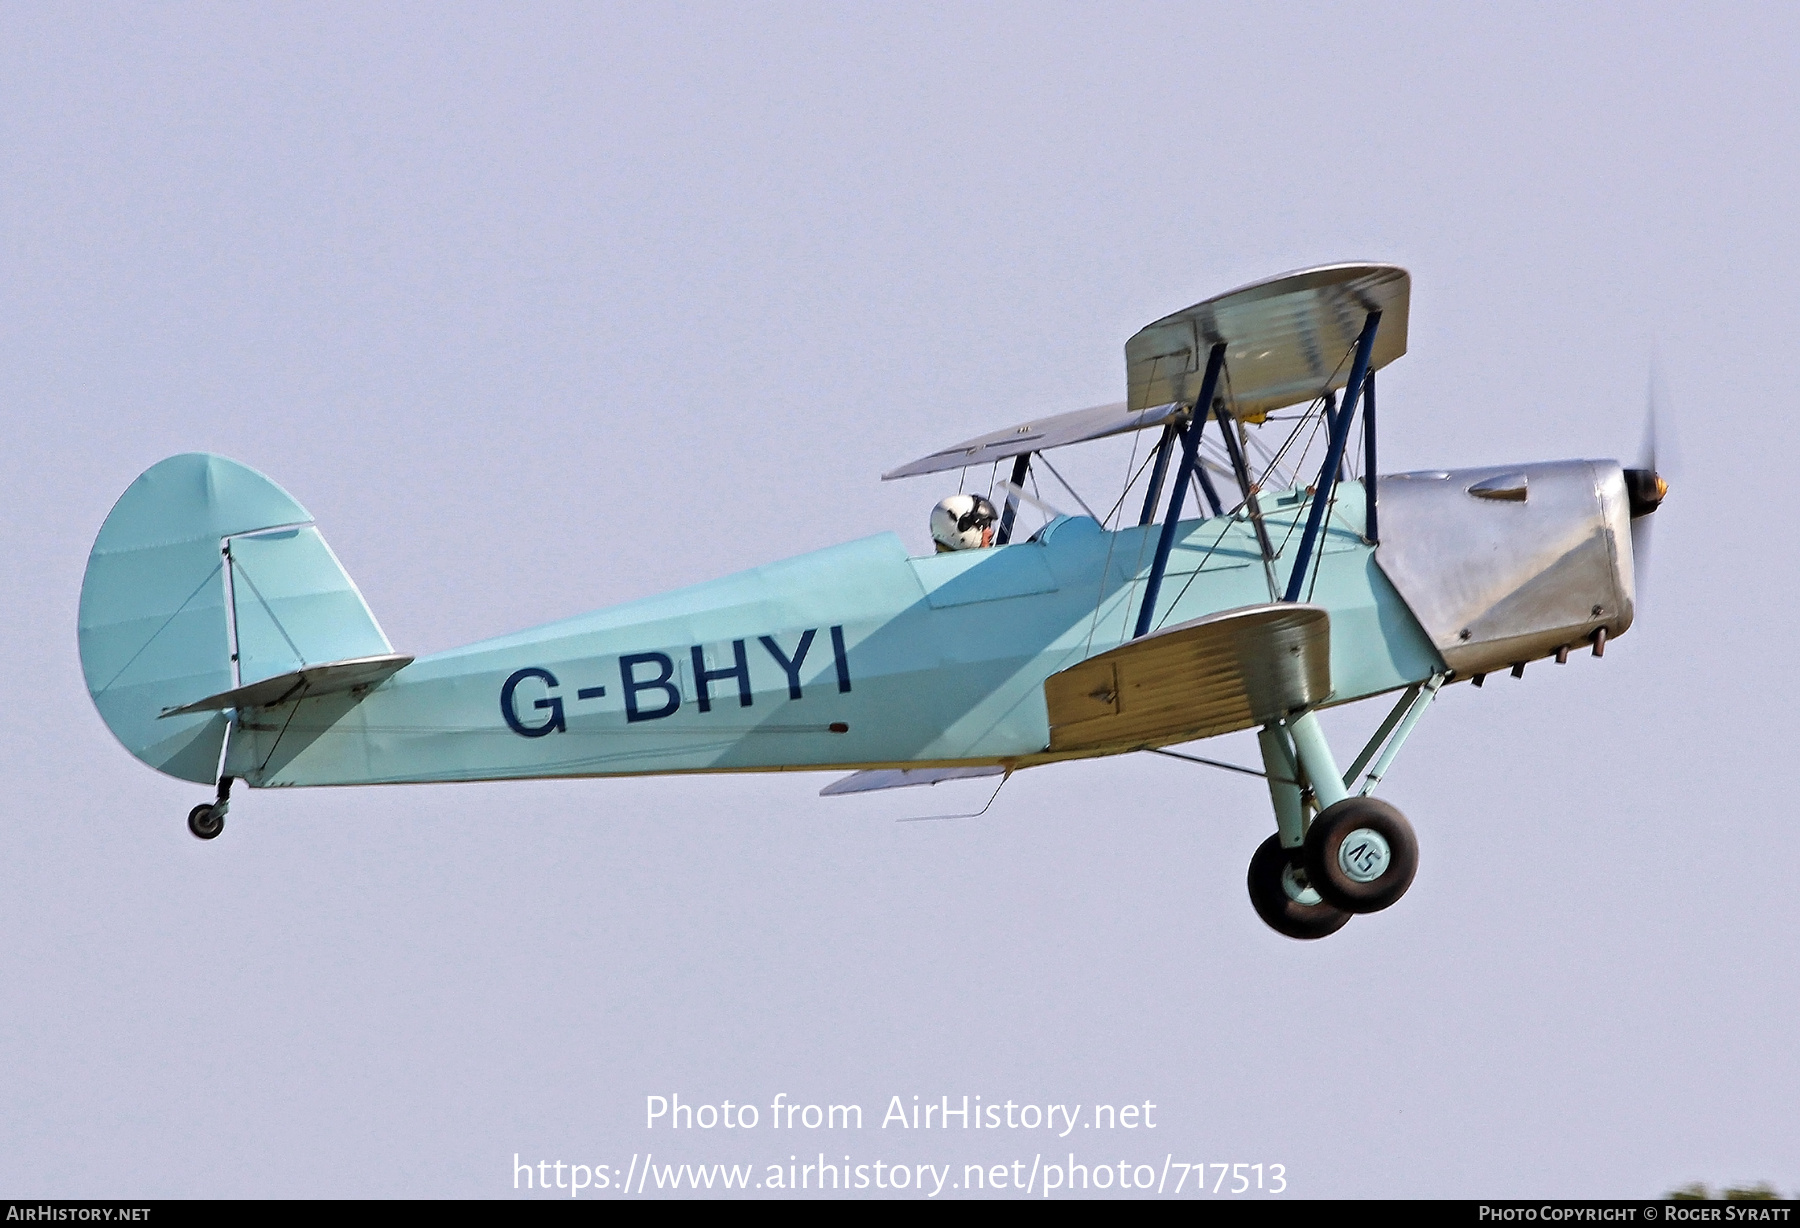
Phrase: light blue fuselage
[906,661]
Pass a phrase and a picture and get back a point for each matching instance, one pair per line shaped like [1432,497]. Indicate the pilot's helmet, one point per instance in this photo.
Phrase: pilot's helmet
[963,522]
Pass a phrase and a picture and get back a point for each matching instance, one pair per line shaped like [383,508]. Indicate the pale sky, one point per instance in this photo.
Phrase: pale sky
[540,310]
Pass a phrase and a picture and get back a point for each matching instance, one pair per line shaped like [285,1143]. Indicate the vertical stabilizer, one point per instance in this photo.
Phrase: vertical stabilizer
[198,555]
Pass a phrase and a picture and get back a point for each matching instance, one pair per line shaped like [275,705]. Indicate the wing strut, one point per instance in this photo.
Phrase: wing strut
[1163,448]
[1334,455]
[1369,528]
[1021,467]
[1200,474]
[1190,446]
[1331,419]
[1233,448]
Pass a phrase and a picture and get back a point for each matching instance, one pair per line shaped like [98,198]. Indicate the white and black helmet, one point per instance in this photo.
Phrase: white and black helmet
[963,522]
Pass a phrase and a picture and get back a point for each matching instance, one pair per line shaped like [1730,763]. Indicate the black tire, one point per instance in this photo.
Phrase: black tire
[1348,842]
[1282,903]
[206,822]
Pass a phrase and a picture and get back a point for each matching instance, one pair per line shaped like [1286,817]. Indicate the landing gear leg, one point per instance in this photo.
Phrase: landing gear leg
[1315,758]
[1357,855]
[1279,889]
[207,821]
[1284,786]
[1360,853]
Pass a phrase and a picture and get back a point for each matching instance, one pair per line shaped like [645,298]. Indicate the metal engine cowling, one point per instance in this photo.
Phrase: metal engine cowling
[1510,563]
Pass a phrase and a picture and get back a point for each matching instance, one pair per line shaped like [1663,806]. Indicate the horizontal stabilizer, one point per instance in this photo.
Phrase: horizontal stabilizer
[1214,675]
[869,782]
[328,679]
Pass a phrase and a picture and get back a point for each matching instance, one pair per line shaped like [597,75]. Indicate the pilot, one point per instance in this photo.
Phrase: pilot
[963,522]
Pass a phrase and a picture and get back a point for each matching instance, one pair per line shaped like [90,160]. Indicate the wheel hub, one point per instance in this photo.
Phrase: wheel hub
[1364,856]
[1297,891]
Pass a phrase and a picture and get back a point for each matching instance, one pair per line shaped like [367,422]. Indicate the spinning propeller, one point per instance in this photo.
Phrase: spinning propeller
[1646,485]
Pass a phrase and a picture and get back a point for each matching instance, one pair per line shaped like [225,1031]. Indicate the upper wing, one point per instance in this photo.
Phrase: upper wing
[1058,430]
[1287,338]
[1287,341]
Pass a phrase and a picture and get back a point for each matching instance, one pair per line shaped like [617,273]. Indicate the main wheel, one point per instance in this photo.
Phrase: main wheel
[206,821]
[1289,906]
[1361,854]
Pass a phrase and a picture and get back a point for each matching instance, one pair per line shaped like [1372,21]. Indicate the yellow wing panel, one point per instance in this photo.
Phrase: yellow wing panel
[1217,674]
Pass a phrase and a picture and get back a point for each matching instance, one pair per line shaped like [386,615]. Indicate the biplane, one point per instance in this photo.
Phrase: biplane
[222,641]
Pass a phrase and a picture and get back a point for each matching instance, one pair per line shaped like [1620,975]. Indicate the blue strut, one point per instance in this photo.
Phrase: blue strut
[1163,448]
[1190,445]
[1334,455]
[1370,530]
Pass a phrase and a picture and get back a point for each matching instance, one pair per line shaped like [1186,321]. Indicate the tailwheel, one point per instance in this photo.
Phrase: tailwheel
[1288,904]
[1361,854]
[206,821]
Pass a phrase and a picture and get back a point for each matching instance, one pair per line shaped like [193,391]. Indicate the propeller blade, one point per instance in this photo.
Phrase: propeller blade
[1648,480]
[1661,451]
[1640,555]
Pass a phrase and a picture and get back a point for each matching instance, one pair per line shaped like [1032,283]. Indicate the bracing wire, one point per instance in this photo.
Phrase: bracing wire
[1309,424]
[1126,493]
[1313,415]
[1065,485]
[1193,575]
[1212,763]
[1305,433]
[1112,540]
[1318,559]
